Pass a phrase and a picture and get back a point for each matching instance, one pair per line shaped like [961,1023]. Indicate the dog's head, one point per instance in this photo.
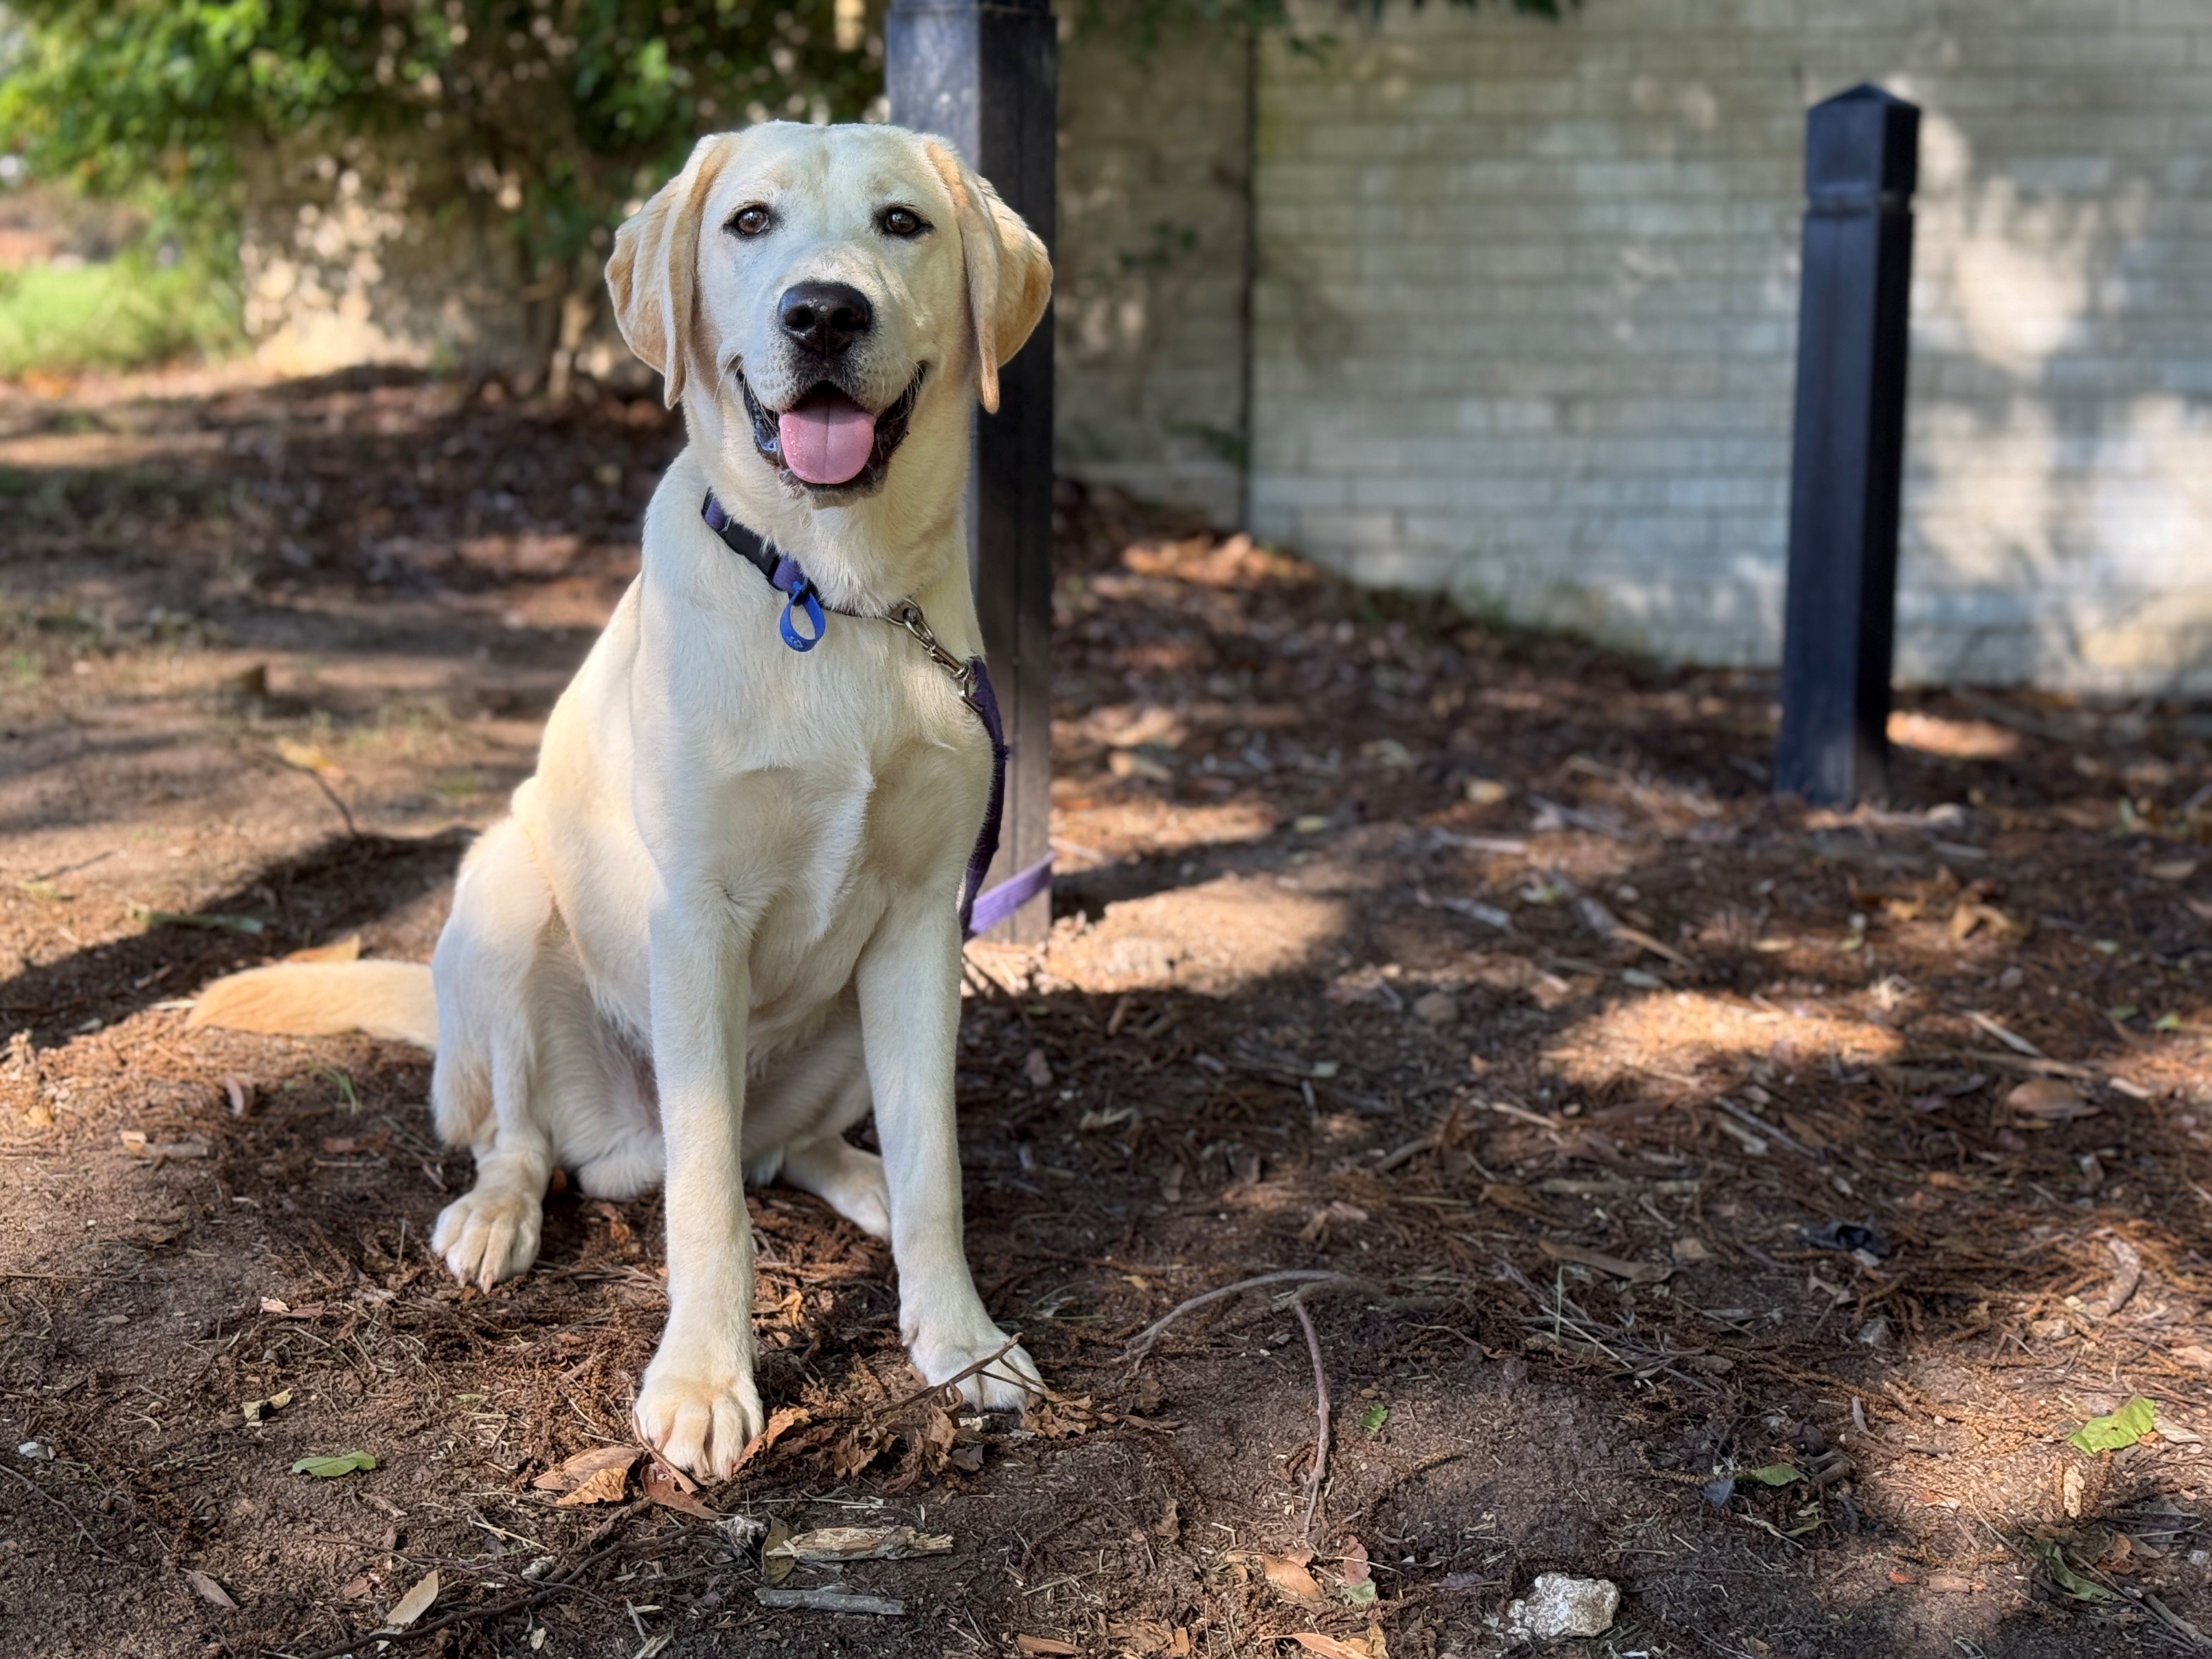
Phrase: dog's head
[819,293]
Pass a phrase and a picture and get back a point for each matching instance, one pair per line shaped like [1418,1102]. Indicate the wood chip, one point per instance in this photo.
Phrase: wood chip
[1048,1645]
[2012,1040]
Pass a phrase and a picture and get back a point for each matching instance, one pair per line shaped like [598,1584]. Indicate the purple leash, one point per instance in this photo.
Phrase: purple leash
[979,911]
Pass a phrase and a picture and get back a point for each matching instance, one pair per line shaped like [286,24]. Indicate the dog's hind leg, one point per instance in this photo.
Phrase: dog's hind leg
[510,1034]
[797,1113]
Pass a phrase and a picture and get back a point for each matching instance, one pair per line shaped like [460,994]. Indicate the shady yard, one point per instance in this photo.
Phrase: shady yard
[1738,1204]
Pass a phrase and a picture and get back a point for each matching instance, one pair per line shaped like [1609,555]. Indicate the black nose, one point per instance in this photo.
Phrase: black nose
[824,317]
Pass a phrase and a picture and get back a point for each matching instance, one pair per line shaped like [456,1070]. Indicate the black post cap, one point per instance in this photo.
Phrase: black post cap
[1863,143]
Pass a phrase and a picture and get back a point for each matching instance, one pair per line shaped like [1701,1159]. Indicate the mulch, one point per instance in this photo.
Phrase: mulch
[1734,1200]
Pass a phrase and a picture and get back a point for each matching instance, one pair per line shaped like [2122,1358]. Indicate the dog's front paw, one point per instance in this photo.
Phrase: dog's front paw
[488,1234]
[699,1417]
[1009,1382]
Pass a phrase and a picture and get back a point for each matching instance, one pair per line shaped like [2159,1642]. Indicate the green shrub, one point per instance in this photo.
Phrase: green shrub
[128,312]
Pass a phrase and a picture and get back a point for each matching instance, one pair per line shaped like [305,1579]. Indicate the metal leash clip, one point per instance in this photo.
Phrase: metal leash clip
[908,615]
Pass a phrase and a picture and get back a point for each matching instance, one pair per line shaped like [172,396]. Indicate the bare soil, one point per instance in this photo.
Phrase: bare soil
[1480,971]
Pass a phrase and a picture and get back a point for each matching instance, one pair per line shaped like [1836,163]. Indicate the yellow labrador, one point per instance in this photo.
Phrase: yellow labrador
[723,919]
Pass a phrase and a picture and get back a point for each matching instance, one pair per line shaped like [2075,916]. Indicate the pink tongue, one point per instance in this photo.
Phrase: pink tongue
[827,443]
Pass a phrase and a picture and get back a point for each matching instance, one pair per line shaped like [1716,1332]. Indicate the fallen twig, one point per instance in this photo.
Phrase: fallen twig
[1321,1411]
[1142,1342]
[828,1600]
[959,1376]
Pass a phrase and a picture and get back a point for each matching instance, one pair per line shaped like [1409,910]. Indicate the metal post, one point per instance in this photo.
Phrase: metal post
[985,75]
[1860,150]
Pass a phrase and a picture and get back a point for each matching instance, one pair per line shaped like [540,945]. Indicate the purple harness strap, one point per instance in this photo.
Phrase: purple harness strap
[979,911]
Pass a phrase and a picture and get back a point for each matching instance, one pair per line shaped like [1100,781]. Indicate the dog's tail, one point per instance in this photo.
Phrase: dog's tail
[390,1000]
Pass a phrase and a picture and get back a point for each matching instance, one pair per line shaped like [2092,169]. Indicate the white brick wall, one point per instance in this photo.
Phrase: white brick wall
[1150,268]
[1526,324]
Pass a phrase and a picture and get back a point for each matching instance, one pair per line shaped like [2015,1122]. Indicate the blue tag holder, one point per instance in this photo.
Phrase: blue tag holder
[791,580]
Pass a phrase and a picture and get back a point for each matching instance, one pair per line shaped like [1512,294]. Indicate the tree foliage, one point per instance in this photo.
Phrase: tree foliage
[563,111]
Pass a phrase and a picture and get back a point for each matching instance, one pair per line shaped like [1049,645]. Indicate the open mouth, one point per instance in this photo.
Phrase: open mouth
[827,441]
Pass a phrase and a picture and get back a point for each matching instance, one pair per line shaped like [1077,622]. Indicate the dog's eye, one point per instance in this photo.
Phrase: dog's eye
[750,222]
[903,221]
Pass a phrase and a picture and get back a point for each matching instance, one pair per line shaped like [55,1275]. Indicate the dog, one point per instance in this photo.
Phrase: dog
[722,919]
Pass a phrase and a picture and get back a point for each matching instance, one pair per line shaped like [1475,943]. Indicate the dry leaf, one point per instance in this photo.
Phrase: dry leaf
[1329,1646]
[208,1590]
[1051,1644]
[668,1487]
[2047,1098]
[783,1417]
[861,1543]
[1352,1561]
[2173,870]
[308,758]
[605,1486]
[240,1093]
[1291,1576]
[1168,1527]
[1145,1636]
[776,1568]
[413,1605]
[572,1473]
[1636,1273]
[338,949]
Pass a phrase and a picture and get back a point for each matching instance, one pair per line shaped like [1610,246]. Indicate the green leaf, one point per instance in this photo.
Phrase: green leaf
[2051,1555]
[1373,1418]
[1359,1595]
[1774,1475]
[2166,1023]
[330,1469]
[2122,1428]
[2122,1011]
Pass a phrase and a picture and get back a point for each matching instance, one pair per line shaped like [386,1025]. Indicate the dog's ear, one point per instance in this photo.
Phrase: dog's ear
[653,272]
[1008,274]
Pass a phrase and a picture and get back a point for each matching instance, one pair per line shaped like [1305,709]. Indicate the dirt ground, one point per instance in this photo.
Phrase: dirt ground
[1477,975]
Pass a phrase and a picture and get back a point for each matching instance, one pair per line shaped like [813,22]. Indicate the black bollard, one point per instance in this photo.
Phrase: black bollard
[1861,153]
[986,76]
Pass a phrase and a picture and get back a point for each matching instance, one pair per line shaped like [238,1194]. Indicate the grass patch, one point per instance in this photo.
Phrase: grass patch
[128,312]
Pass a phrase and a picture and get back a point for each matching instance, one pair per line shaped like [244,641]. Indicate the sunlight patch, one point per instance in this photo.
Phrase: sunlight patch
[1678,1033]
[1215,938]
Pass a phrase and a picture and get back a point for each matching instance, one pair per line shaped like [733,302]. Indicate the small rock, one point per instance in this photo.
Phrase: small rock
[1038,1069]
[1559,1604]
[1437,1008]
[1875,1333]
[1691,1249]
